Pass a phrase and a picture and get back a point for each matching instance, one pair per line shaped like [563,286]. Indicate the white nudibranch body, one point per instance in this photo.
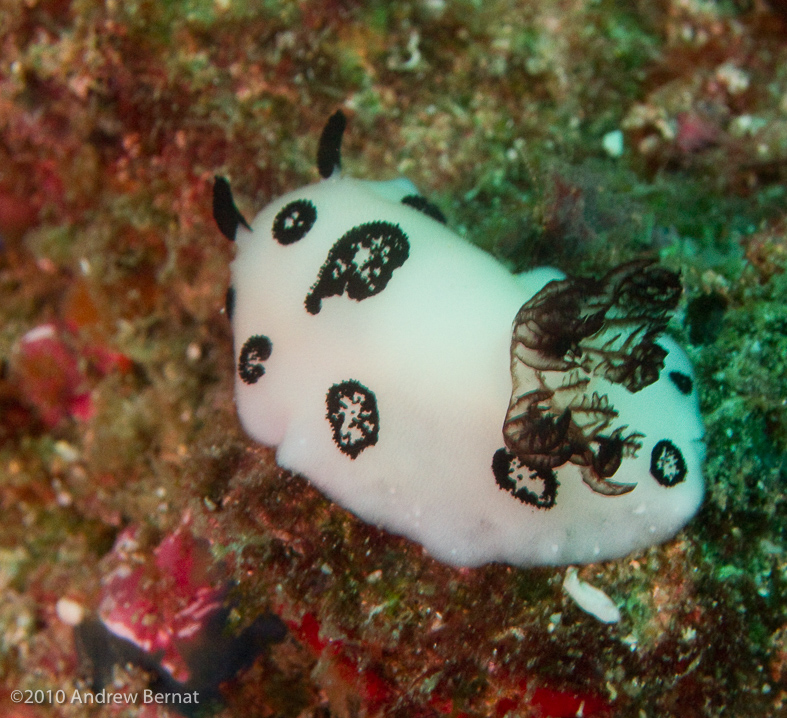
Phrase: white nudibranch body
[415,381]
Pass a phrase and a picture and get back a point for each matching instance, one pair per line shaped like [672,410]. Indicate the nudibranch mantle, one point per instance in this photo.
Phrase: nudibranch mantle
[375,349]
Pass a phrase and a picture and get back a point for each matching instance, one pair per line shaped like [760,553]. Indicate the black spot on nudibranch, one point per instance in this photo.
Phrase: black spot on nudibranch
[360,263]
[225,212]
[682,381]
[352,413]
[537,488]
[329,151]
[293,221]
[667,464]
[416,201]
[229,302]
[255,352]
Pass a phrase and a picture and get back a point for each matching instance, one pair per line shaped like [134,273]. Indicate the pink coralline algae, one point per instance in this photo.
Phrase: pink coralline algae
[695,133]
[52,372]
[166,612]
[161,604]
[47,370]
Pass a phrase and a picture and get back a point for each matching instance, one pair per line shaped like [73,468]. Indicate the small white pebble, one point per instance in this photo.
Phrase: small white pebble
[66,451]
[436,7]
[64,498]
[589,598]
[733,78]
[613,143]
[193,352]
[69,611]
[43,331]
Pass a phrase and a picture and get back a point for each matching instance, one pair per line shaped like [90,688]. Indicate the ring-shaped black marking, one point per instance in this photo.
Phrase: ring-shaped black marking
[293,221]
[229,302]
[360,263]
[255,352]
[667,464]
[353,416]
[417,201]
[509,472]
[682,382]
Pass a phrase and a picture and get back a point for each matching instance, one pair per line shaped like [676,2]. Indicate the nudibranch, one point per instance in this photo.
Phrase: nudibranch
[529,419]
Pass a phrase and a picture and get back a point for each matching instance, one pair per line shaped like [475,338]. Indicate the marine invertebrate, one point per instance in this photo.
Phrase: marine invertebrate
[378,352]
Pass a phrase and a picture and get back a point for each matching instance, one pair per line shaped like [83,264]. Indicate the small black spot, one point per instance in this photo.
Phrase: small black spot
[416,201]
[329,151]
[513,476]
[667,464]
[255,351]
[352,413]
[229,302]
[682,381]
[360,263]
[293,221]
[225,212]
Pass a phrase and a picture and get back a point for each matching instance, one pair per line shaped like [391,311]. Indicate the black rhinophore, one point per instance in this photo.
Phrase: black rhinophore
[225,212]
[329,152]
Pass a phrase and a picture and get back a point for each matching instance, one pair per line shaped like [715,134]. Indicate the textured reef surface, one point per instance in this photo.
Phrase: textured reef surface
[147,543]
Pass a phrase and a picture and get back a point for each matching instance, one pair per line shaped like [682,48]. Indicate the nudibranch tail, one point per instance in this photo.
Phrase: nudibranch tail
[225,212]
